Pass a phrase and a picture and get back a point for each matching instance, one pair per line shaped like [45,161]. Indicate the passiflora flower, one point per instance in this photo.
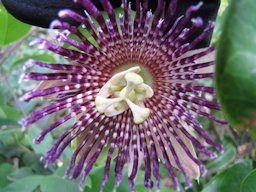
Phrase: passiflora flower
[133,87]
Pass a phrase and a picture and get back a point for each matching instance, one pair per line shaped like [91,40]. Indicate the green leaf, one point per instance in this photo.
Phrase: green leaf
[55,183]
[62,169]
[40,169]
[249,184]
[45,145]
[7,112]
[11,151]
[230,179]
[21,173]
[96,176]
[41,57]
[236,64]
[27,184]
[29,158]
[5,170]
[11,28]
[223,160]
[10,136]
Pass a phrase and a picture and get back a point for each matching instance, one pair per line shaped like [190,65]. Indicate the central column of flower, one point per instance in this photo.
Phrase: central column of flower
[125,90]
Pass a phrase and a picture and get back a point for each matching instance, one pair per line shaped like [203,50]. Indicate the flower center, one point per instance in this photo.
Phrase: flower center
[125,90]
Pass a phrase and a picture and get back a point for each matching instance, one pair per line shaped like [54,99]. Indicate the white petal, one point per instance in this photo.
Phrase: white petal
[207,58]
[131,158]
[49,84]
[190,167]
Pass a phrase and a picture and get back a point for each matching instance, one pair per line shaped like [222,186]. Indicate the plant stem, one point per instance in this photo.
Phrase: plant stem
[4,77]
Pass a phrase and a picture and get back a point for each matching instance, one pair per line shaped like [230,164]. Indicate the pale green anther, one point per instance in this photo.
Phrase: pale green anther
[119,105]
[140,90]
[114,88]
[132,96]
[125,90]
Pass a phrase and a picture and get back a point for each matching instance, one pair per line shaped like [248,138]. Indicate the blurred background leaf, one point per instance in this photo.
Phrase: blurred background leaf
[230,179]
[27,184]
[55,183]
[249,184]
[236,64]
[11,28]
[21,169]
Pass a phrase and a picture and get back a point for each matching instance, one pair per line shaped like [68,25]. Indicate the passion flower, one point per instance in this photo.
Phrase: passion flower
[134,88]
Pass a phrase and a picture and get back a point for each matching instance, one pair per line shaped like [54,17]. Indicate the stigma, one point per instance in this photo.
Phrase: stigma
[125,90]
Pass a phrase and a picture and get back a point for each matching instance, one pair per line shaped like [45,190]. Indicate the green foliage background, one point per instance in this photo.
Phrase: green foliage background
[20,167]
